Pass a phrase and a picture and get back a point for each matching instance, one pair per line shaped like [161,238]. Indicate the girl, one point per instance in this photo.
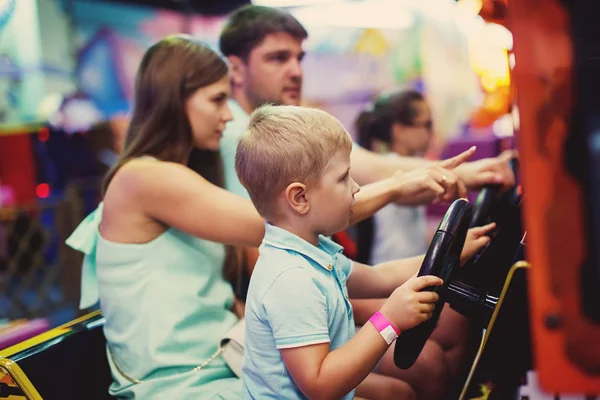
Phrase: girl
[399,125]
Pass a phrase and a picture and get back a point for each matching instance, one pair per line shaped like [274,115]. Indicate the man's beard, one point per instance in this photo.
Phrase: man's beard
[258,101]
[276,102]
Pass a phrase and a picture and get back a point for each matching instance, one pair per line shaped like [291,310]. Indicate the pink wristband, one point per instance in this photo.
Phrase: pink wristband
[385,328]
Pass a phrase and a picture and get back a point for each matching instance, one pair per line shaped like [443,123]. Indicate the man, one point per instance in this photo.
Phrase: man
[264,48]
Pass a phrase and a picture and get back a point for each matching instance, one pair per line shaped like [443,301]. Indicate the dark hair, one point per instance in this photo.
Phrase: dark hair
[376,122]
[169,73]
[247,27]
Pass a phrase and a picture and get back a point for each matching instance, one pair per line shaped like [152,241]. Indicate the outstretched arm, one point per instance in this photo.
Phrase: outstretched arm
[369,167]
[176,196]
[436,182]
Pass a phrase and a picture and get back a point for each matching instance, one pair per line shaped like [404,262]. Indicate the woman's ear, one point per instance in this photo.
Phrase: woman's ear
[237,69]
[295,195]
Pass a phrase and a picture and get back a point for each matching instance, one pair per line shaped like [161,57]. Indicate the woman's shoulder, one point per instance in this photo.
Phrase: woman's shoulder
[140,164]
[145,185]
[141,172]
[137,189]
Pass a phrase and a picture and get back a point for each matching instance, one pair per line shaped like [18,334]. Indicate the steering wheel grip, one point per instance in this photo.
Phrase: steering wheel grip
[443,255]
[487,197]
[483,205]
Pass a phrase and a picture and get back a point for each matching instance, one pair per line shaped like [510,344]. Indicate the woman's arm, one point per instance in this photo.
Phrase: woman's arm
[369,167]
[419,186]
[176,196]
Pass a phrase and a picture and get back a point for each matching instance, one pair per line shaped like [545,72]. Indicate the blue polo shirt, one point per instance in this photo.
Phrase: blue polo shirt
[297,297]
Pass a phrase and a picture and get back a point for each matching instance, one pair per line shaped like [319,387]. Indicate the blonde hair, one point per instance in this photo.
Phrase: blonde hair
[286,144]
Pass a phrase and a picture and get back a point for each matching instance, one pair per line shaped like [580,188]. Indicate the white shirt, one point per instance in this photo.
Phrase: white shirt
[398,232]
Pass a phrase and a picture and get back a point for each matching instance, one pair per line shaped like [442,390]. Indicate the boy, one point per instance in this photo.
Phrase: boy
[300,342]
[265,47]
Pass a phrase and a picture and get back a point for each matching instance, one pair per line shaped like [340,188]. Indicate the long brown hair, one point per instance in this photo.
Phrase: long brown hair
[170,72]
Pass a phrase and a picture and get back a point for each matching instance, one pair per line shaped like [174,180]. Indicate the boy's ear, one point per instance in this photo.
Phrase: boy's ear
[237,69]
[295,194]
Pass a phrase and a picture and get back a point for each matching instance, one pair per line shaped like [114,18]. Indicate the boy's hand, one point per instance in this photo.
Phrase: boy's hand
[476,240]
[408,306]
[436,182]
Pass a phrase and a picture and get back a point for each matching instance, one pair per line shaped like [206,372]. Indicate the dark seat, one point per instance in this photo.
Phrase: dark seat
[68,362]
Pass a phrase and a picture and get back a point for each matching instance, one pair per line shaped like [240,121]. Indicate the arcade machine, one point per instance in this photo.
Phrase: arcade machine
[557,48]
[541,317]
[557,353]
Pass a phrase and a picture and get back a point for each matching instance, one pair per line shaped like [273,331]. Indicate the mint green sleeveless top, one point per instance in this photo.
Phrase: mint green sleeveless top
[166,305]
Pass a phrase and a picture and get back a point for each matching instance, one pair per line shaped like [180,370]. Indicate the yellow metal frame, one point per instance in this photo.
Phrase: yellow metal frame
[488,331]
[16,373]
[46,336]
[20,129]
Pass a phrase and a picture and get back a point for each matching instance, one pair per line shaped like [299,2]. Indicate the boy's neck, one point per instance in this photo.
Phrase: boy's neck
[301,231]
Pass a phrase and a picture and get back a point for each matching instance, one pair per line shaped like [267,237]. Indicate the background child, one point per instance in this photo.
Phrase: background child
[300,342]
[398,124]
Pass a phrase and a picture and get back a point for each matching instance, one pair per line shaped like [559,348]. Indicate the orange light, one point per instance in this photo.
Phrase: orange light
[44,134]
[42,190]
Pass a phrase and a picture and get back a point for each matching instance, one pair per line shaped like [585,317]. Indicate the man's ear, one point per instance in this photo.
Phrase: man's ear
[295,195]
[237,68]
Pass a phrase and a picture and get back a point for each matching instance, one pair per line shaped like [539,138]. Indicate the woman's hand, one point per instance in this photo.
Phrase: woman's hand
[488,171]
[437,182]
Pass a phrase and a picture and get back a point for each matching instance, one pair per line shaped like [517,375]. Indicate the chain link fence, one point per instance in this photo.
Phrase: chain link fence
[39,274]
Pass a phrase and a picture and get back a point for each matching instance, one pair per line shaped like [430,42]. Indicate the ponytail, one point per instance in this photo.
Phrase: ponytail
[365,125]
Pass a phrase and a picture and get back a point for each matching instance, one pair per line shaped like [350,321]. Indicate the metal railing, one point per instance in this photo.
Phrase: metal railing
[39,274]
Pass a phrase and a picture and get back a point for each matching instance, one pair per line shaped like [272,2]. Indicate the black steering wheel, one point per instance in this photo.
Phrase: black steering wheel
[442,258]
[488,269]
[477,285]
[483,207]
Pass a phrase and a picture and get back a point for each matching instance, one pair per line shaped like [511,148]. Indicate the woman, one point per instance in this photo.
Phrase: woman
[398,125]
[161,287]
